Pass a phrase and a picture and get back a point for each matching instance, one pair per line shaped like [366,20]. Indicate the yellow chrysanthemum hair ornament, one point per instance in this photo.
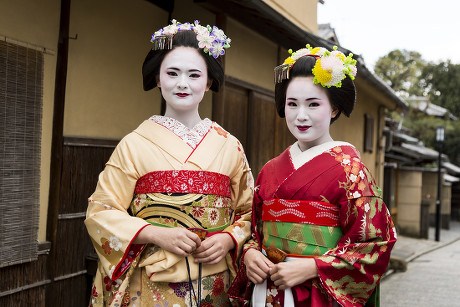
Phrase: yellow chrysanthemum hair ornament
[330,69]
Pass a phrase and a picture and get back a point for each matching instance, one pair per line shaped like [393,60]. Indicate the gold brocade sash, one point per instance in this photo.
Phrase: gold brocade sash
[209,212]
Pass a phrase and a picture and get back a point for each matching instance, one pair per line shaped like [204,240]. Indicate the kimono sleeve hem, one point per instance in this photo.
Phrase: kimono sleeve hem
[233,254]
[340,300]
[132,251]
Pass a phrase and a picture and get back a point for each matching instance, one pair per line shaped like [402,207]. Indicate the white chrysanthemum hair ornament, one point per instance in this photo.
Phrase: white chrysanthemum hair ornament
[330,69]
[212,40]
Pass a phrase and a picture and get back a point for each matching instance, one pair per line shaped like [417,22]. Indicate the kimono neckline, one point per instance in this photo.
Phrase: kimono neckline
[191,136]
[299,157]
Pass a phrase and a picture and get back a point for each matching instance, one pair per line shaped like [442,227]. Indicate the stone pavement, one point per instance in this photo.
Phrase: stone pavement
[407,249]
[424,273]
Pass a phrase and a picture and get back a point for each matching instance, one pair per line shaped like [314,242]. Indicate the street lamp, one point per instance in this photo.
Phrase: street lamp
[440,140]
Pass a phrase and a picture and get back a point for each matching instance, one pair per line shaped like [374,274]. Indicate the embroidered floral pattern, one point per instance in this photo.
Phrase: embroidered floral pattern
[192,136]
[220,131]
[185,181]
[180,289]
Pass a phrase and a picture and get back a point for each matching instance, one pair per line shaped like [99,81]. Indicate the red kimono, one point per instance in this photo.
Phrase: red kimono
[323,203]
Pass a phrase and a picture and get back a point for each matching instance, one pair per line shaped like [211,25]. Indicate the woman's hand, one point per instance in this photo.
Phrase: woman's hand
[214,248]
[292,273]
[179,241]
[257,266]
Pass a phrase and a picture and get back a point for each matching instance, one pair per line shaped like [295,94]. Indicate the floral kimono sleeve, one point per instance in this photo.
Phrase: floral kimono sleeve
[242,194]
[111,228]
[351,271]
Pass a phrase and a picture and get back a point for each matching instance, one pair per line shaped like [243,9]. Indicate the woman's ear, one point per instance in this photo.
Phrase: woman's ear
[157,79]
[335,111]
[208,86]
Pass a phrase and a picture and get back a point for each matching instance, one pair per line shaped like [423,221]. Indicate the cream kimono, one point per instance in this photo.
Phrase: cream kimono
[168,175]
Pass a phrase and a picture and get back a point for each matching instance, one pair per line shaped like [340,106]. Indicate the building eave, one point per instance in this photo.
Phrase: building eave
[262,18]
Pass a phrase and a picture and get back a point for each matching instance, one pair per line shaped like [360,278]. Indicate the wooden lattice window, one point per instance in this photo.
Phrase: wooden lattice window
[21,83]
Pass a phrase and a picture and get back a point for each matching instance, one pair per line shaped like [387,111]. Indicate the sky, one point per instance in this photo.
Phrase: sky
[373,28]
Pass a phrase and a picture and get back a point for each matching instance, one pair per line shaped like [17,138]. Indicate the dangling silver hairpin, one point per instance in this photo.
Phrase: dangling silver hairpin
[162,42]
[281,72]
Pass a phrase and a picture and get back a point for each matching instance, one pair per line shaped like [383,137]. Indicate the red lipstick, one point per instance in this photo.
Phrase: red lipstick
[182,95]
[303,128]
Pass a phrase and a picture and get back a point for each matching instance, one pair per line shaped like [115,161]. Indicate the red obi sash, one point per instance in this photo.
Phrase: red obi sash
[301,211]
[184,181]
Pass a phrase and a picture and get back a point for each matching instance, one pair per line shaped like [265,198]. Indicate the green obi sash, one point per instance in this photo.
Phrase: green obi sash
[300,239]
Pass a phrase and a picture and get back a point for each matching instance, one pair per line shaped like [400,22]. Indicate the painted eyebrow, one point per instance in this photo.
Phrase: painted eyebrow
[309,99]
[191,70]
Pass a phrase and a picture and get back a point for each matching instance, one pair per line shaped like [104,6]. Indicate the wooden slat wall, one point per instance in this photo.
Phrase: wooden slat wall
[236,112]
[250,115]
[30,284]
[262,131]
[24,284]
[83,160]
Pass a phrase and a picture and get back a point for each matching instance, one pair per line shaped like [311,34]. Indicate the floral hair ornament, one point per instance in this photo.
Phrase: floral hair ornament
[330,69]
[212,40]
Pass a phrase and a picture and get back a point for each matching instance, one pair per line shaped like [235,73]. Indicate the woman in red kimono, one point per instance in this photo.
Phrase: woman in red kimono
[322,234]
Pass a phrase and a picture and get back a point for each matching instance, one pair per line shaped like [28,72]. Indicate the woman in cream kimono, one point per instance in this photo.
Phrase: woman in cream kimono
[323,235]
[172,207]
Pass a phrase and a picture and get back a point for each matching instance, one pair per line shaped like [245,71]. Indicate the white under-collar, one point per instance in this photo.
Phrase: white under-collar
[300,157]
[191,136]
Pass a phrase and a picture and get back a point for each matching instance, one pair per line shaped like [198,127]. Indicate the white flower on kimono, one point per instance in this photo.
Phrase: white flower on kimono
[115,243]
[219,203]
[346,161]
[111,270]
[190,181]
[356,194]
[183,187]
[238,232]
[213,216]
[250,180]
[361,174]
[366,207]
[353,177]
[273,292]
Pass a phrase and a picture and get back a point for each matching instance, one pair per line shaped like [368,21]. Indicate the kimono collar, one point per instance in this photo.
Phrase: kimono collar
[299,157]
[190,136]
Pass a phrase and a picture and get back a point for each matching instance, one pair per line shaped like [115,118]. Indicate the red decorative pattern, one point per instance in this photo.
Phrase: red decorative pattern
[184,181]
[300,211]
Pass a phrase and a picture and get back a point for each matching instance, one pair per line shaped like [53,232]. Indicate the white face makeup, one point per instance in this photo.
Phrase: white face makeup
[183,80]
[308,112]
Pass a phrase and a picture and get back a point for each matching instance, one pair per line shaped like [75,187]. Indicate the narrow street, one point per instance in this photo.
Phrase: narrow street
[432,279]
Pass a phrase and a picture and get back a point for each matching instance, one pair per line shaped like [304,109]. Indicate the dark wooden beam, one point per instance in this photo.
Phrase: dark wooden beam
[58,128]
